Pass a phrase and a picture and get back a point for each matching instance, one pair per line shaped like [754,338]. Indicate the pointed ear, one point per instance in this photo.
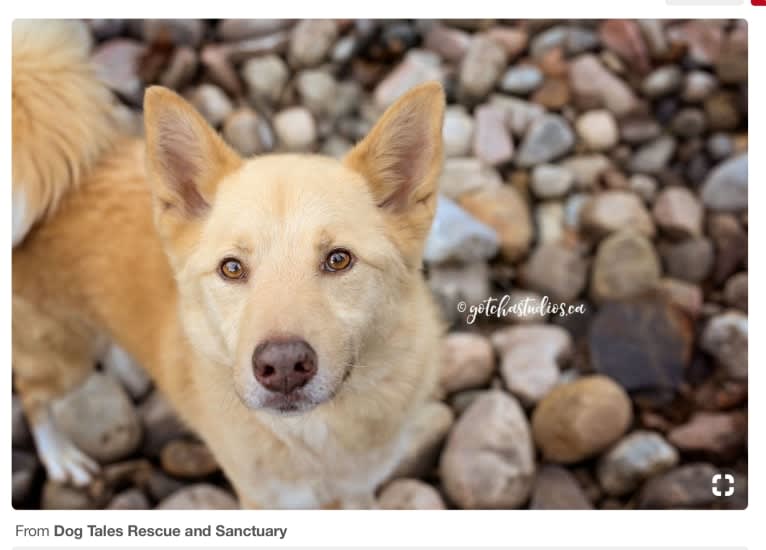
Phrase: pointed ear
[186,158]
[401,157]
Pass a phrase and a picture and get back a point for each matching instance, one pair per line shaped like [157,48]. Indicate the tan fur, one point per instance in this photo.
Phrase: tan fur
[61,121]
[134,260]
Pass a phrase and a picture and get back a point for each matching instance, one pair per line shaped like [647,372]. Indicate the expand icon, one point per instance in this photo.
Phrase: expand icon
[723,485]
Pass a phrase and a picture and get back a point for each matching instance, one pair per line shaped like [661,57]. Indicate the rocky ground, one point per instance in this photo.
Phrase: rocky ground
[598,163]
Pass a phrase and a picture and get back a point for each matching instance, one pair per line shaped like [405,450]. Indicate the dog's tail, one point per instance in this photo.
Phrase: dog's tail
[61,116]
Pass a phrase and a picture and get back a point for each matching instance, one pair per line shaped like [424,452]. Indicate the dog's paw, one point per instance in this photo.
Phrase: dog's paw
[63,461]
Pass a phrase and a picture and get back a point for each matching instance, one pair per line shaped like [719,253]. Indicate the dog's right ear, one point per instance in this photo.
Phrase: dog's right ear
[186,158]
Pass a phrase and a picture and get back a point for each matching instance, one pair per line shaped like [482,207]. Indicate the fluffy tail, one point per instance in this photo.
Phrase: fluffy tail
[62,118]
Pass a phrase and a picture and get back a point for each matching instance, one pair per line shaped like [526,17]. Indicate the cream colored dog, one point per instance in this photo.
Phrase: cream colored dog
[277,301]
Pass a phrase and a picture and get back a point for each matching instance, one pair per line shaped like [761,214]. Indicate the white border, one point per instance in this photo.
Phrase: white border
[687,529]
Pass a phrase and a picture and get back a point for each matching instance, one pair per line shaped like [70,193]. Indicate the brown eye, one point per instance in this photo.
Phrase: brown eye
[232,268]
[337,260]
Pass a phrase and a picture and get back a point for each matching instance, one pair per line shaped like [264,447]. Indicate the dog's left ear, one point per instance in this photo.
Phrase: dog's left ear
[401,158]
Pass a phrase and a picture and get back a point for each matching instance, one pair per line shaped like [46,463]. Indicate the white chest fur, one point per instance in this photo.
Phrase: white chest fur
[326,472]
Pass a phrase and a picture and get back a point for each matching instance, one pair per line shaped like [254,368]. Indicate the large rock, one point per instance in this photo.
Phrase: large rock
[455,283]
[410,494]
[722,111]
[521,80]
[685,296]
[725,338]
[678,212]
[662,81]
[449,43]
[598,130]
[231,30]
[645,345]
[634,459]
[550,181]
[726,186]
[530,358]
[122,367]
[296,129]
[638,129]
[720,434]
[704,39]
[550,221]
[689,123]
[653,157]
[63,497]
[266,78]
[492,143]
[465,175]
[730,241]
[587,169]
[690,260]
[580,419]
[687,486]
[513,39]
[181,32]
[100,419]
[117,64]
[519,114]
[612,211]
[626,266]
[594,84]
[731,67]
[624,37]
[468,362]
[554,94]
[199,497]
[160,486]
[130,499]
[242,129]
[188,459]
[457,236]
[547,138]
[506,211]
[160,424]
[318,91]
[212,103]
[698,86]
[735,292]
[481,68]
[457,132]
[556,270]
[556,489]
[311,41]
[418,66]
[215,58]
[489,458]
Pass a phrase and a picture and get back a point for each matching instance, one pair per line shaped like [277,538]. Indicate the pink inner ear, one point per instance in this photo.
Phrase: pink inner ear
[180,157]
[407,160]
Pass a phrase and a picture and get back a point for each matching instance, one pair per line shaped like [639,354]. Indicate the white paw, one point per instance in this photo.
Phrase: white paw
[63,461]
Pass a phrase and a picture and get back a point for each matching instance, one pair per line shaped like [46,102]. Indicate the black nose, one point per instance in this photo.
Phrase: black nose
[284,365]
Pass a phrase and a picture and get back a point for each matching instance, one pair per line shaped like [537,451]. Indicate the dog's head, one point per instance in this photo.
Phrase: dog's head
[289,265]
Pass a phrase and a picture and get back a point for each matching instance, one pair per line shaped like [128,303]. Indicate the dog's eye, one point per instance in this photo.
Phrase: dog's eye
[337,260]
[232,269]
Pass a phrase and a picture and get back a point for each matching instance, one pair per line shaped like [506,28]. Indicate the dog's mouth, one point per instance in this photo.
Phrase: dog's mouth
[289,404]
[303,400]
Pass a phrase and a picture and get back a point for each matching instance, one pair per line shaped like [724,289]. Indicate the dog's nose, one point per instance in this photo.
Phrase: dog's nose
[284,365]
